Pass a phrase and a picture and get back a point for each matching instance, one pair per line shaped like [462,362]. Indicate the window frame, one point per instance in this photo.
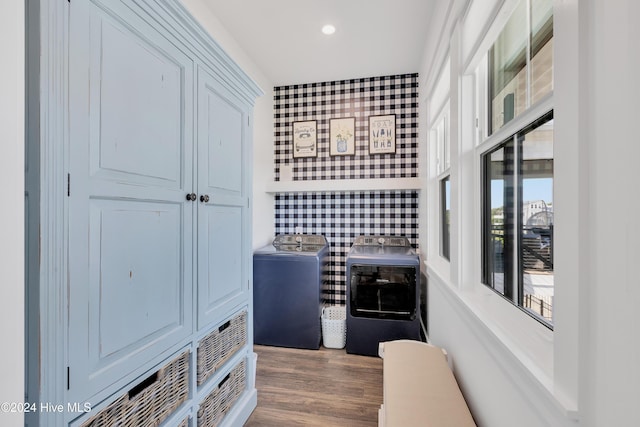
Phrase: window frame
[540,39]
[445,227]
[443,144]
[515,291]
[441,132]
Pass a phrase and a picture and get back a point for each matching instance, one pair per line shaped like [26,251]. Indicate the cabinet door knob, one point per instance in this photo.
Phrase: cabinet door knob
[204,198]
[191,197]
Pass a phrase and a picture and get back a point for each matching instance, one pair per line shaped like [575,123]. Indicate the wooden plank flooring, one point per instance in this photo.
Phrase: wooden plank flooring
[325,387]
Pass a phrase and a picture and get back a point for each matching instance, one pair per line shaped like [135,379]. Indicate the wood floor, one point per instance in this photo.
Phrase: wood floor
[325,387]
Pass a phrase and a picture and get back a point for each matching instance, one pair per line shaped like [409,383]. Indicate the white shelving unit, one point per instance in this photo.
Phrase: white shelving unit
[379,184]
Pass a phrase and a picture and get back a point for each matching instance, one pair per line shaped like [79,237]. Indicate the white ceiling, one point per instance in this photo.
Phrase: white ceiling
[283,37]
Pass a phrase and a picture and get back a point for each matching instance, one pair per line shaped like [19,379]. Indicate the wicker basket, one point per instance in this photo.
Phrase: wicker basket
[334,326]
[151,401]
[216,405]
[217,347]
[184,423]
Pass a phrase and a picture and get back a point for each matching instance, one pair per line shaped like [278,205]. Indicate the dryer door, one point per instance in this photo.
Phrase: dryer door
[383,292]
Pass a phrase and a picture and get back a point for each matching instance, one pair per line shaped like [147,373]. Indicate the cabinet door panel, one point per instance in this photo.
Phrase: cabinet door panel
[130,226]
[223,265]
[224,134]
[135,276]
[223,226]
[138,98]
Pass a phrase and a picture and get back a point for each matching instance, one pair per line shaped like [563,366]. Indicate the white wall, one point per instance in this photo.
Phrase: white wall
[610,339]
[12,212]
[263,167]
[586,372]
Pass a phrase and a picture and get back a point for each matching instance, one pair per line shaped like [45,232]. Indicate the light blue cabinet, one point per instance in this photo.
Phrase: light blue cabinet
[148,243]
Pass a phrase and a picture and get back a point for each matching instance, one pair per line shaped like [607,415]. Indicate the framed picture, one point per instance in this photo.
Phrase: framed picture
[382,134]
[342,136]
[305,140]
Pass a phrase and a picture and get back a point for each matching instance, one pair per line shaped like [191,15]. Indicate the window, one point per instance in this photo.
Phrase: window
[517,219]
[442,141]
[521,62]
[445,217]
[517,172]
[443,153]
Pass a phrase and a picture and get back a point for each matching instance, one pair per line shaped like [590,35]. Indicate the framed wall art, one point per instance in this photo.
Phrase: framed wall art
[382,134]
[305,139]
[342,136]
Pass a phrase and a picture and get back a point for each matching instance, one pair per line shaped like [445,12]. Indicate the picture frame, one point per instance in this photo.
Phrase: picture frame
[382,134]
[342,136]
[305,138]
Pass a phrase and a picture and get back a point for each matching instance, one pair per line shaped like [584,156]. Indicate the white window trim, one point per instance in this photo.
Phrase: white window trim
[443,147]
[519,122]
[435,176]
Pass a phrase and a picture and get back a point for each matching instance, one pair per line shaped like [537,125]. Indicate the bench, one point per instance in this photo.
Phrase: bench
[419,388]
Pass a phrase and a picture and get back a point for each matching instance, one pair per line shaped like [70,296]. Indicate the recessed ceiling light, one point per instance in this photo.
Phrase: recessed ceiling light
[328,29]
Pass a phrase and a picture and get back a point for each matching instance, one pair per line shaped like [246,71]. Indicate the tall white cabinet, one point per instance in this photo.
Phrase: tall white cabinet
[143,290]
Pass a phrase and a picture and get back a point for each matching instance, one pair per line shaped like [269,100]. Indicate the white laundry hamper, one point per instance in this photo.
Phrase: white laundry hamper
[334,326]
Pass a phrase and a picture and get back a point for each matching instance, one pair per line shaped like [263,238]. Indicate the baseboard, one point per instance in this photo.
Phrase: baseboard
[242,409]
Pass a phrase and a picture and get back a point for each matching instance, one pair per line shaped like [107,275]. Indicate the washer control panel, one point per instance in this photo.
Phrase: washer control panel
[396,241]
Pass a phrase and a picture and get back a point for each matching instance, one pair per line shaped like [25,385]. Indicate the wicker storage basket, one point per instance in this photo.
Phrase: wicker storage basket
[216,405]
[151,401]
[334,326]
[217,347]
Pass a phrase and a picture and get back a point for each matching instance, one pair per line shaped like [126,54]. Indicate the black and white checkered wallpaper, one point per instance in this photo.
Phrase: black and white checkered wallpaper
[359,98]
[342,216]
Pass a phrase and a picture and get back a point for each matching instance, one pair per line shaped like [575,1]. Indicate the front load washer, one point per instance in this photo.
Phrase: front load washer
[288,280]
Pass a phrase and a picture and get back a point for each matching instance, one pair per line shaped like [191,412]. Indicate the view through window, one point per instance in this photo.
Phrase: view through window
[518,219]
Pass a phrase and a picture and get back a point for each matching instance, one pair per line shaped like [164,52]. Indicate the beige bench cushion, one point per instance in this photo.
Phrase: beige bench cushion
[419,388]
